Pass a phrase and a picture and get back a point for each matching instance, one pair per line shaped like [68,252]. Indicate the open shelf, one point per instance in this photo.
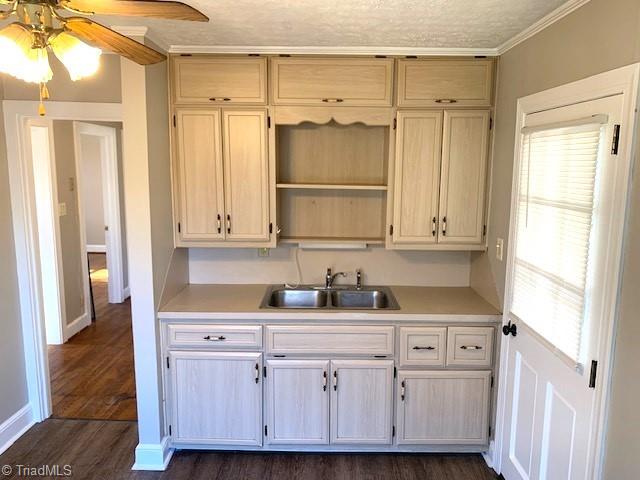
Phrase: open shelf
[329,186]
[332,240]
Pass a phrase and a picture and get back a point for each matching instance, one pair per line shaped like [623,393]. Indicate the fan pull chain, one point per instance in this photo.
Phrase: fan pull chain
[44,95]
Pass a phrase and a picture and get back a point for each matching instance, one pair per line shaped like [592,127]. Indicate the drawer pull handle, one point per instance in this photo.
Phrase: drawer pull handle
[335,380]
[333,100]
[471,347]
[219,223]
[444,226]
[220,338]
[228,223]
[433,226]
[214,99]
[324,381]
[257,373]
[417,347]
[446,100]
[402,391]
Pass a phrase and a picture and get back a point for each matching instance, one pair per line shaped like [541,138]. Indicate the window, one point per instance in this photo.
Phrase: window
[554,220]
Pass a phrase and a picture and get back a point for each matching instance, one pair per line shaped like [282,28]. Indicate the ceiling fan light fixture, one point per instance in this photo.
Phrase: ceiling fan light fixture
[21,59]
[80,59]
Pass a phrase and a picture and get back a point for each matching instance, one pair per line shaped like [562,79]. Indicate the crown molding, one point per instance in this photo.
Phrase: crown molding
[142,32]
[546,21]
[310,50]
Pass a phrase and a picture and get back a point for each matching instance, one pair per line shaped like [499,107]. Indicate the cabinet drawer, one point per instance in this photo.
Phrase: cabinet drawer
[336,81]
[220,80]
[422,346]
[470,346]
[215,336]
[336,339]
[429,83]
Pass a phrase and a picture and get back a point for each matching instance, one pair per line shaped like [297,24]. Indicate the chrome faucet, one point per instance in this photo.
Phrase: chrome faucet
[329,278]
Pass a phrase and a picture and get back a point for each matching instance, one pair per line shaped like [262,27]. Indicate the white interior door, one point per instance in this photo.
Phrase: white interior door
[562,277]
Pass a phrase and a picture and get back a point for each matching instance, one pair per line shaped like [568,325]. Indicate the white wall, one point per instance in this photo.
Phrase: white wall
[13,382]
[379,266]
[92,189]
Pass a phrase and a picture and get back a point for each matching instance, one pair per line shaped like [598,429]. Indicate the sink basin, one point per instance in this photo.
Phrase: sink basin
[303,298]
[364,299]
[336,298]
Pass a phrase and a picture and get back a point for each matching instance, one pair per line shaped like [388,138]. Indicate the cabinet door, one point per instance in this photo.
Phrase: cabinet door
[332,81]
[429,83]
[199,175]
[246,173]
[443,407]
[216,398]
[219,80]
[361,401]
[298,401]
[464,163]
[417,177]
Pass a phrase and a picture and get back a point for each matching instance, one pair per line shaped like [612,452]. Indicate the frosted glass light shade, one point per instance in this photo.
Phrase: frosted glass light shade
[20,60]
[80,59]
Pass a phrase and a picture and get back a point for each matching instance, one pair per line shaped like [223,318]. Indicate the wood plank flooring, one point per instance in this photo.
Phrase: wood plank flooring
[92,375]
[104,450]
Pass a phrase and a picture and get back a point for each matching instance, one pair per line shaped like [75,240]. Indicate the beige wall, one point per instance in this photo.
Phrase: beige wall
[379,266]
[73,266]
[600,36]
[104,87]
[92,192]
[12,369]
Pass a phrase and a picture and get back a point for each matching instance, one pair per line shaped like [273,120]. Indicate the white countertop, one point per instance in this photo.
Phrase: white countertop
[242,302]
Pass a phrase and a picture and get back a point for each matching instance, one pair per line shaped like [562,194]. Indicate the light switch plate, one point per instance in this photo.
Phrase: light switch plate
[62,209]
[499,248]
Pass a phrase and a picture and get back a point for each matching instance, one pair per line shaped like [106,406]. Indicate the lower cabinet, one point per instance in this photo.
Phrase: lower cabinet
[443,407]
[216,397]
[337,402]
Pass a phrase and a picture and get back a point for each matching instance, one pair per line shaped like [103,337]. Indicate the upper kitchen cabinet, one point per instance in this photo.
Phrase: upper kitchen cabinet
[439,180]
[462,185]
[219,80]
[221,177]
[332,81]
[432,83]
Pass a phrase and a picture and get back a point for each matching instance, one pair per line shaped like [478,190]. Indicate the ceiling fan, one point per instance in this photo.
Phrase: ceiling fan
[62,26]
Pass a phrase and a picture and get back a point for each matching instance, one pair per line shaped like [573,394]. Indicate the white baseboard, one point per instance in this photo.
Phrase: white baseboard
[488,455]
[96,249]
[78,324]
[15,426]
[126,293]
[153,456]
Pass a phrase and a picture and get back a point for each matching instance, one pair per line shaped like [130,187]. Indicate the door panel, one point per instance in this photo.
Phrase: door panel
[199,158]
[361,401]
[246,173]
[216,398]
[298,401]
[417,177]
[464,160]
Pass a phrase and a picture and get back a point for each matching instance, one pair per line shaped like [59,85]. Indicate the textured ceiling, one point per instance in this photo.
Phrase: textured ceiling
[350,23]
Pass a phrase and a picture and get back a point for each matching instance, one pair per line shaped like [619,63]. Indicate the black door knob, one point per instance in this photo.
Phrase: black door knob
[509,328]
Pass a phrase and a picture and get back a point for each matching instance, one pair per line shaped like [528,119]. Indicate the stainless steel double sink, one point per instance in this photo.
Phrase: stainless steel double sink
[333,298]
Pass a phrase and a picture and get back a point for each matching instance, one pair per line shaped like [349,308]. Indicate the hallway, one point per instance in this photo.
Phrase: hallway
[92,375]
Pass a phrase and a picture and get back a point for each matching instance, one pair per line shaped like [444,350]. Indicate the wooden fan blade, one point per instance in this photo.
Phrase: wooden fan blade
[137,8]
[105,38]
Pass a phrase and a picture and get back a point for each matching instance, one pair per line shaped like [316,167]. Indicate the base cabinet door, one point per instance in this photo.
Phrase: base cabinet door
[361,401]
[297,400]
[216,398]
[443,407]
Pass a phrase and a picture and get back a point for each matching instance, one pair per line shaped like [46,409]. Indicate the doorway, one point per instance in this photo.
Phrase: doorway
[570,188]
[89,364]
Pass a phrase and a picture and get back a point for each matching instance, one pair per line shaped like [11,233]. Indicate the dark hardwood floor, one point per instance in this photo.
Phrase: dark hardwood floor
[92,375]
[104,450]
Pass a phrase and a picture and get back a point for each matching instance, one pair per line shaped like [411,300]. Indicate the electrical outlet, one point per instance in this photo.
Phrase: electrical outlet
[263,252]
[499,248]
[62,209]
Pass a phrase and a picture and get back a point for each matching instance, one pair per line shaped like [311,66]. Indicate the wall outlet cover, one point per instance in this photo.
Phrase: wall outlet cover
[263,252]
[62,209]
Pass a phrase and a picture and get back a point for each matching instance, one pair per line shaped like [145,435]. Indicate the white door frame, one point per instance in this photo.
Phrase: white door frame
[16,114]
[111,203]
[622,81]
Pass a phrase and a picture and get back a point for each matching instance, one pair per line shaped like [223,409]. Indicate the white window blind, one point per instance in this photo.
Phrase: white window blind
[554,222]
